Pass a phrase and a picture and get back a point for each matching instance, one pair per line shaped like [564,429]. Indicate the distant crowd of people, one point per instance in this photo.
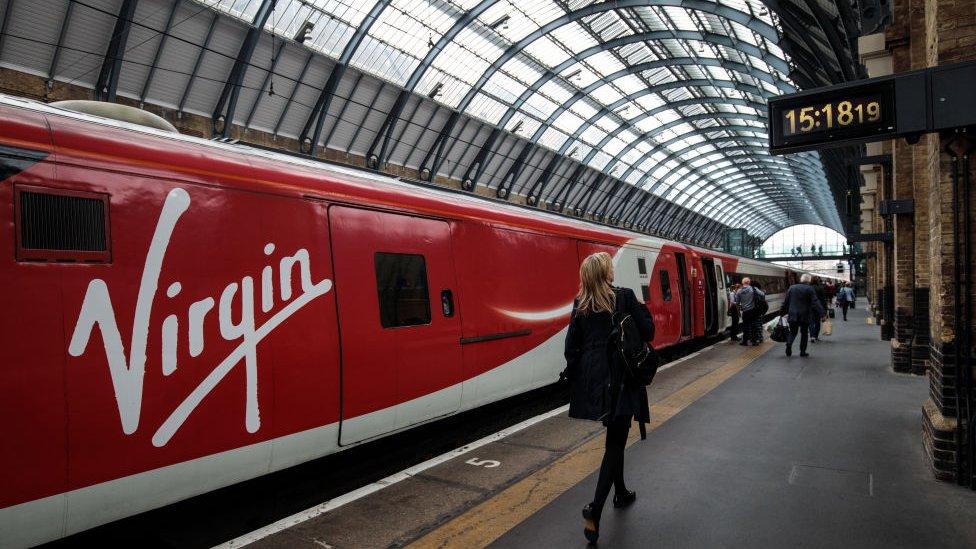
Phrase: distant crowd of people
[805,308]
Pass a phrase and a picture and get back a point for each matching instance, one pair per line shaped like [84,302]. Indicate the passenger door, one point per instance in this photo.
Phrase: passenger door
[711,296]
[684,287]
[400,334]
[723,297]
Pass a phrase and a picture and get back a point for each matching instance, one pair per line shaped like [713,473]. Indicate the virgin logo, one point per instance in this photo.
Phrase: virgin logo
[128,372]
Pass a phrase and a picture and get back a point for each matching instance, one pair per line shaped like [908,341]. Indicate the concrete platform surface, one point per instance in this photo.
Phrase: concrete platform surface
[420,505]
[824,451]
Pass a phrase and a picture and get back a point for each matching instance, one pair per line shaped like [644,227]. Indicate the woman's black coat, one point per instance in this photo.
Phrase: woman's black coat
[598,389]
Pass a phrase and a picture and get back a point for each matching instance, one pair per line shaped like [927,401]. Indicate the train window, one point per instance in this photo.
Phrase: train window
[665,285]
[61,225]
[646,292]
[641,266]
[401,283]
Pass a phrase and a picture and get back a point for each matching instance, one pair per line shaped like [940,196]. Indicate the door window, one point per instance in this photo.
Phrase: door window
[401,283]
[665,285]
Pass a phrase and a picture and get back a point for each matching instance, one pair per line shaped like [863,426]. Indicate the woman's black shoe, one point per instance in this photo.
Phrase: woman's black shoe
[625,499]
[591,526]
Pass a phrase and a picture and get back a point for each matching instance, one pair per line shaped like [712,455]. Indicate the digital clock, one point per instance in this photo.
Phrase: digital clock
[825,117]
[831,117]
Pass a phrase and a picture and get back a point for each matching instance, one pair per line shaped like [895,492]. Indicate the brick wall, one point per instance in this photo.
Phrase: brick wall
[949,36]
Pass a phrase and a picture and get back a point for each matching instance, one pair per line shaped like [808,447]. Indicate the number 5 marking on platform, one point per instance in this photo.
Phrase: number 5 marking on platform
[486,463]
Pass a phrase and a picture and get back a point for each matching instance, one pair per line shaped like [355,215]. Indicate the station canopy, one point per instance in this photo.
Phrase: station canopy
[664,100]
[666,95]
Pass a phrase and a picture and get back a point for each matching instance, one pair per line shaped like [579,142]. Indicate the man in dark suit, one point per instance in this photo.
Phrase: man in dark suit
[801,306]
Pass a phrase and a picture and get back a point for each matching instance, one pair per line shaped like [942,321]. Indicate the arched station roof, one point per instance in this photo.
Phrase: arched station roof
[624,110]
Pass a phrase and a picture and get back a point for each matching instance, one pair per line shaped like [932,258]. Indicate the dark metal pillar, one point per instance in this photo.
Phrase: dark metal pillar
[222,120]
[108,78]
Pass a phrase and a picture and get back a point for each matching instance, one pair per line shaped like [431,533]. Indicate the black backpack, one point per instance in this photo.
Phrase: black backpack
[639,359]
[761,306]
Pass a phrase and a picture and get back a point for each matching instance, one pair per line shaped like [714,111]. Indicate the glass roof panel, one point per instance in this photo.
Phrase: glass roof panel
[405,31]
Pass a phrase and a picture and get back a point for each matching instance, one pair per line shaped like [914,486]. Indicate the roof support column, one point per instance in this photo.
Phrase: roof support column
[562,196]
[316,118]
[221,120]
[108,78]
[57,49]
[474,171]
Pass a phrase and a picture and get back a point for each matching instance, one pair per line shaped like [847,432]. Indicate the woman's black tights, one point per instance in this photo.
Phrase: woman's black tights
[612,468]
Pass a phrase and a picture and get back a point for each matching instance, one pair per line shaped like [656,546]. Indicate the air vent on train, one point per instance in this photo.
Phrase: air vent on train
[116,111]
[61,225]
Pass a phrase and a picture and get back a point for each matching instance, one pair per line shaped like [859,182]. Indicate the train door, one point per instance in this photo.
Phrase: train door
[711,296]
[400,336]
[684,287]
[723,297]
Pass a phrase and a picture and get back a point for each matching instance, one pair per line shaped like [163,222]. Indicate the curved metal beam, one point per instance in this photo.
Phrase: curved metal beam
[320,110]
[435,156]
[758,147]
[662,146]
[515,169]
[376,154]
[799,173]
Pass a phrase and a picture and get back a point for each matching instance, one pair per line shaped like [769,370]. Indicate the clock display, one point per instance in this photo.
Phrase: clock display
[833,115]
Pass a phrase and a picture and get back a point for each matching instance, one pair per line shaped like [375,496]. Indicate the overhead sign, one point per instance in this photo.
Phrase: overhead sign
[899,105]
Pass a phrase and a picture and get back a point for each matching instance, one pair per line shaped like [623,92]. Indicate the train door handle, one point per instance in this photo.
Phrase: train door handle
[447,303]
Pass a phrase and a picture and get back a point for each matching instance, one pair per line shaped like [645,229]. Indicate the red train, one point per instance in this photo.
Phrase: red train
[180,314]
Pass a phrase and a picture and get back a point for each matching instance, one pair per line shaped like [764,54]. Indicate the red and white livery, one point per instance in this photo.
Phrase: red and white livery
[180,315]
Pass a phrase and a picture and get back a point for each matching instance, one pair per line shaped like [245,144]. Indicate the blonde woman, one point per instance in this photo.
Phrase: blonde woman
[599,391]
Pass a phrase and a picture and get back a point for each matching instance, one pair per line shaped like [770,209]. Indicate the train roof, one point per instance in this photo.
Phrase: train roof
[504,212]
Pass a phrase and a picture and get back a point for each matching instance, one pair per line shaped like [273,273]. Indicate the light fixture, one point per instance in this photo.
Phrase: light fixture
[500,22]
[517,126]
[436,90]
[574,74]
[304,32]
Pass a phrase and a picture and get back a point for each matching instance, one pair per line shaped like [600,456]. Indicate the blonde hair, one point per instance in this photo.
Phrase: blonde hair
[595,293]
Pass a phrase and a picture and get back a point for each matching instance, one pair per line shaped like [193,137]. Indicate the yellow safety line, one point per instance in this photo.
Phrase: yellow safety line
[489,520]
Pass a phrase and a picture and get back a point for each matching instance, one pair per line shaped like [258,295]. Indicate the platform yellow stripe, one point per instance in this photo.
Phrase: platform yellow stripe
[489,520]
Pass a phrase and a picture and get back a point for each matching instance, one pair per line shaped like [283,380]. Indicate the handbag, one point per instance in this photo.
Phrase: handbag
[831,313]
[640,360]
[780,332]
[827,328]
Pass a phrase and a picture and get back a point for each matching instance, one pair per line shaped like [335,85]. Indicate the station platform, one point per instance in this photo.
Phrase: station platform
[747,447]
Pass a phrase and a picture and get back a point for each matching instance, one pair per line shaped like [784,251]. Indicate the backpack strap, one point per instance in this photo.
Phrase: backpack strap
[643,430]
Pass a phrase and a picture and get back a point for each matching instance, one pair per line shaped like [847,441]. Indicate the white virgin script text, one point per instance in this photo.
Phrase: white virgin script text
[127,373]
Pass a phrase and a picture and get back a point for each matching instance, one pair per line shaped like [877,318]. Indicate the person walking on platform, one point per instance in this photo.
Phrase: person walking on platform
[733,314]
[599,391]
[845,296]
[761,309]
[746,299]
[818,289]
[800,306]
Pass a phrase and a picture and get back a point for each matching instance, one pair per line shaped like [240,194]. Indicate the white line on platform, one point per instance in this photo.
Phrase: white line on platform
[349,497]
[339,501]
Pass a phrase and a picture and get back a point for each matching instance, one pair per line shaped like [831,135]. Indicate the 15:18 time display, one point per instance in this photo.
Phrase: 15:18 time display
[832,116]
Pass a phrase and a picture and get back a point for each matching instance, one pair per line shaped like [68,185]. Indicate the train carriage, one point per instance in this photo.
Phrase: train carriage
[182,314]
